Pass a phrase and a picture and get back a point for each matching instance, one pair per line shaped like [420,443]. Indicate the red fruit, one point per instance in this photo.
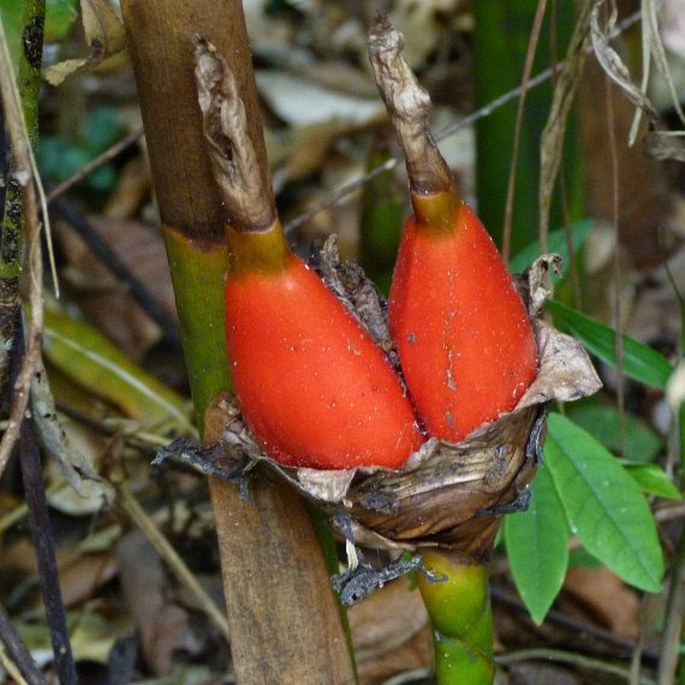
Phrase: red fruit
[464,338]
[312,385]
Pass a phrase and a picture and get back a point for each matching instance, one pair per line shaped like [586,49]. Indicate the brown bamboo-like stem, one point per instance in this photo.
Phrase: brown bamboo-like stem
[283,617]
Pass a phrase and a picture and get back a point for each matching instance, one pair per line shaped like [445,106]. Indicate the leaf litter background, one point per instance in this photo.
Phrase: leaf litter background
[138,559]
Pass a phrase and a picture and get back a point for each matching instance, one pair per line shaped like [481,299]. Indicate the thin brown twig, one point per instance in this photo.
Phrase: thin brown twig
[174,561]
[558,618]
[670,512]
[634,673]
[111,260]
[41,529]
[564,657]
[671,637]
[525,80]
[18,651]
[615,217]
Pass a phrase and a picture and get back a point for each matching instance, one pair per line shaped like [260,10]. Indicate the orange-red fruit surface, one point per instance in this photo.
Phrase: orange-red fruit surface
[464,338]
[312,385]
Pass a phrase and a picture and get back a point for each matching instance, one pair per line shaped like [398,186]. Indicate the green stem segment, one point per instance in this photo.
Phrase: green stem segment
[33,23]
[11,215]
[197,270]
[458,603]
[501,37]
[382,217]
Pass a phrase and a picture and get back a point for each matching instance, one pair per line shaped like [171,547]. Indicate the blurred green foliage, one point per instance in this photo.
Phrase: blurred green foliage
[60,157]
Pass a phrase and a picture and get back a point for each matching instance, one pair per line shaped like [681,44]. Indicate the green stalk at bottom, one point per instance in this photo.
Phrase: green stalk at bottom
[458,603]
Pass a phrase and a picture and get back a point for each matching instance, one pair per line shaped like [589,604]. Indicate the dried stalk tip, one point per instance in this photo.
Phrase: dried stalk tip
[249,201]
[409,107]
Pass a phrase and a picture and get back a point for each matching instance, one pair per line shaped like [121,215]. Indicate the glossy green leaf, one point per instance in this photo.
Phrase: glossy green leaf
[604,505]
[603,422]
[537,546]
[88,358]
[582,558]
[653,480]
[557,244]
[640,362]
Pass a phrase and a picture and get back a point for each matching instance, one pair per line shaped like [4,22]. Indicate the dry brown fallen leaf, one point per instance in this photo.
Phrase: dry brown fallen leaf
[104,300]
[603,598]
[165,631]
[81,578]
[81,575]
[645,202]
[104,34]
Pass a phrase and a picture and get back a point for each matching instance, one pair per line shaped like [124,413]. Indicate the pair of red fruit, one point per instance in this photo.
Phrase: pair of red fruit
[317,391]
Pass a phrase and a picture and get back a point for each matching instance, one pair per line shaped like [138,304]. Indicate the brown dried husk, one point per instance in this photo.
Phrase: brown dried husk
[447,495]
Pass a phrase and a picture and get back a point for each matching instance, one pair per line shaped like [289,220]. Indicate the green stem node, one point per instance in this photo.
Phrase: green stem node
[437,212]
[258,251]
[458,603]
[198,274]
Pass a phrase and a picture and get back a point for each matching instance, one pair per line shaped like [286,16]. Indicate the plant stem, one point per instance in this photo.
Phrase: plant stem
[458,603]
[197,272]
[33,23]
[12,229]
[282,614]
[41,529]
[382,217]
[501,39]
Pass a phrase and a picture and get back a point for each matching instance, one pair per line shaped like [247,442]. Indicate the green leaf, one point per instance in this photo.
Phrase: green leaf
[581,557]
[59,16]
[640,362]
[537,547]
[604,505]
[88,358]
[557,243]
[100,129]
[59,158]
[604,423]
[653,480]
